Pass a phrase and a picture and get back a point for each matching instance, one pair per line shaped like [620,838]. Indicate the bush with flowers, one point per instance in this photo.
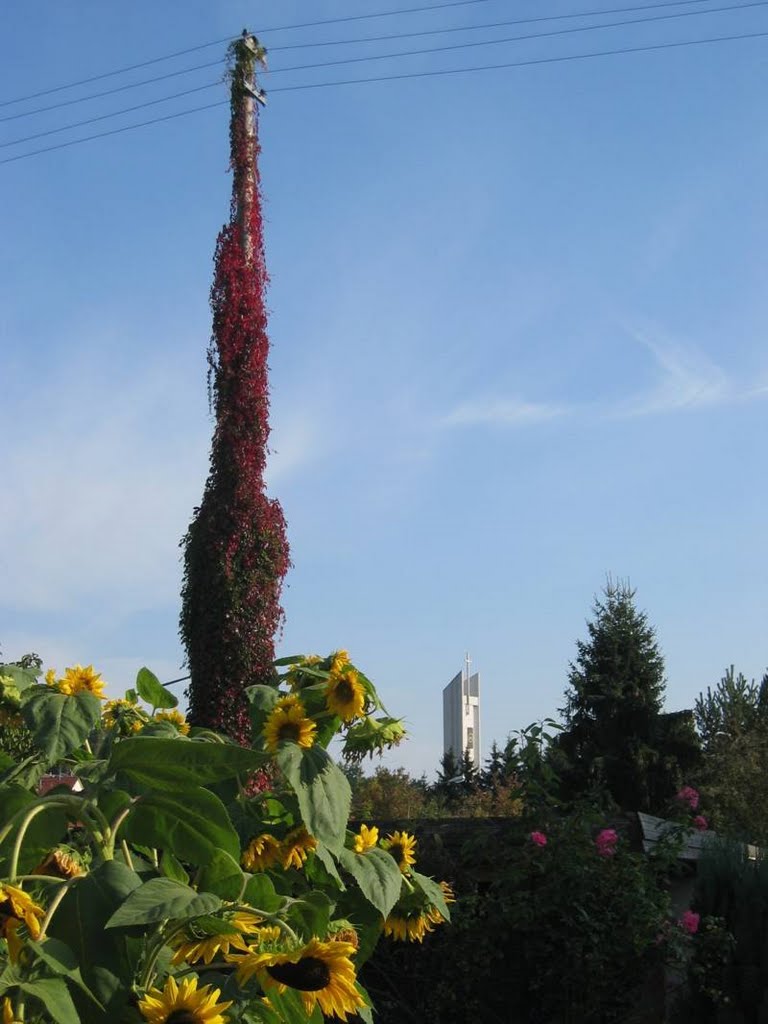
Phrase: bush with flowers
[184,879]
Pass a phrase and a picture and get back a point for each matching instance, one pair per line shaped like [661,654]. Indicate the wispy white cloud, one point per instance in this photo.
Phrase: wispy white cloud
[687,379]
[507,412]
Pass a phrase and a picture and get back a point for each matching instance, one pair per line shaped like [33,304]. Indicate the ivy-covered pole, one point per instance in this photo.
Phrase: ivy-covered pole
[235,550]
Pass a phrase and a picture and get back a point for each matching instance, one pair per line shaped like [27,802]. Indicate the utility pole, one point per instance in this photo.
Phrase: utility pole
[235,550]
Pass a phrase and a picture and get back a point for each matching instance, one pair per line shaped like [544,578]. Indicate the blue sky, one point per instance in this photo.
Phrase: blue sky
[518,326]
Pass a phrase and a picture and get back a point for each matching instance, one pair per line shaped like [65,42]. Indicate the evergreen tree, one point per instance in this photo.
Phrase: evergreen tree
[616,737]
[235,551]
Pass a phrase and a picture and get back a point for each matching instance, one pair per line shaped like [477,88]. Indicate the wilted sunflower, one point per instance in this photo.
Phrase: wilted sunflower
[183,1004]
[434,915]
[338,661]
[402,846]
[78,679]
[321,971]
[366,838]
[345,695]
[410,926]
[295,847]
[289,724]
[175,718]
[192,946]
[60,863]
[262,853]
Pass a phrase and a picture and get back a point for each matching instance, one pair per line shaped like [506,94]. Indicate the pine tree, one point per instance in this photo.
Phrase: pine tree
[235,551]
[616,736]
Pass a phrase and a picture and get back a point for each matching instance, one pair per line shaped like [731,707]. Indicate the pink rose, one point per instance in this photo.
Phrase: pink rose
[689,921]
[538,838]
[689,796]
[700,822]
[606,842]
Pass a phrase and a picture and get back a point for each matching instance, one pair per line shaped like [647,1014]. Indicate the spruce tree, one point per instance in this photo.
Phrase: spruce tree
[616,737]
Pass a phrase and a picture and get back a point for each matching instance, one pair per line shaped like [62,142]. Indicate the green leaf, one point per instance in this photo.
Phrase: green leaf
[59,957]
[262,700]
[172,868]
[260,893]
[174,764]
[23,678]
[311,913]
[162,898]
[150,689]
[323,854]
[291,1008]
[59,722]
[107,961]
[292,659]
[432,891]
[193,825]
[54,995]
[377,874]
[322,790]
[215,926]
[46,830]
[222,875]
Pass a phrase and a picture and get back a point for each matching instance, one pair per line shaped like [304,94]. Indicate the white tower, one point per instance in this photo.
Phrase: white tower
[461,714]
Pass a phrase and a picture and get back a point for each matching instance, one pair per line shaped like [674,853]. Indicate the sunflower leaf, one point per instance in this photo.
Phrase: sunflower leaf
[161,898]
[432,891]
[322,790]
[377,874]
[150,689]
[59,722]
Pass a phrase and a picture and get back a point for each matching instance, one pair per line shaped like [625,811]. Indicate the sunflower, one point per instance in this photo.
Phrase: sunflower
[192,946]
[433,913]
[78,679]
[402,846]
[262,853]
[175,718]
[345,695]
[9,1017]
[321,971]
[183,1004]
[408,927]
[50,678]
[60,863]
[295,847]
[123,715]
[366,838]
[16,906]
[338,661]
[289,724]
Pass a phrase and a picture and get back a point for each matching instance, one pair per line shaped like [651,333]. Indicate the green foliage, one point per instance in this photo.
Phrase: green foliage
[728,973]
[167,851]
[732,721]
[616,738]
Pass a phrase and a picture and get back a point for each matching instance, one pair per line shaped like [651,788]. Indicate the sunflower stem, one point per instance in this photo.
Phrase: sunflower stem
[62,892]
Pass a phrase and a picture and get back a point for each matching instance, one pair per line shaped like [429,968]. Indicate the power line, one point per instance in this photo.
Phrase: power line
[491,24]
[401,77]
[513,39]
[387,56]
[227,39]
[211,85]
[106,117]
[111,92]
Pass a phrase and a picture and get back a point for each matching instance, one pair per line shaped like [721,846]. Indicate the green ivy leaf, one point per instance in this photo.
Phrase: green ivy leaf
[322,790]
[150,689]
[176,764]
[193,825]
[59,722]
[162,898]
[377,874]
